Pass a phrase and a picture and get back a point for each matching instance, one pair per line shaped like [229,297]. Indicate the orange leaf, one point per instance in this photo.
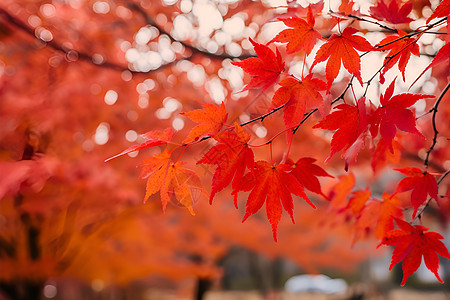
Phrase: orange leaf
[341,190]
[358,201]
[273,185]
[210,119]
[342,48]
[382,154]
[170,178]
[378,215]
[411,243]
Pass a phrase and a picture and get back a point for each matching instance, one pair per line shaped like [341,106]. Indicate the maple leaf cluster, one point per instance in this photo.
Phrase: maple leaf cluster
[357,127]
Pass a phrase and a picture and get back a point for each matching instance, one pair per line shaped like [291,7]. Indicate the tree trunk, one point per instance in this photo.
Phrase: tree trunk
[203,285]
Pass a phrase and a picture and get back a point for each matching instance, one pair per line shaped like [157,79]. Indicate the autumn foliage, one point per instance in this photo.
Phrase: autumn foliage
[247,131]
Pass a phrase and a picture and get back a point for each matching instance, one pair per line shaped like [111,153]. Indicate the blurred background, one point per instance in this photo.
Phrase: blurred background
[81,80]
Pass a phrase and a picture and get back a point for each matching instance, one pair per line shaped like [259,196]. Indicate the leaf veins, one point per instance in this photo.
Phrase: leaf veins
[210,119]
[300,36]
[169,179]
[274,186]
[264,69]
[342,48]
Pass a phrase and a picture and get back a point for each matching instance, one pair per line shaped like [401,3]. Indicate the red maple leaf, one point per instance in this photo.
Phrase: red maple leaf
[297,97]
[392,12]
[232,156]
[342,48]
[421,184]
[351,125]
[306,172]
[273,185]
[399,51]
[210,119]
[411,243]
[264,69]
[443,10]
[394,113]
[301,36]
[153,138]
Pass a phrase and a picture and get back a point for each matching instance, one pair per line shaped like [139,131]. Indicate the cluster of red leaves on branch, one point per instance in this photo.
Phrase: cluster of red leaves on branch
[356,124]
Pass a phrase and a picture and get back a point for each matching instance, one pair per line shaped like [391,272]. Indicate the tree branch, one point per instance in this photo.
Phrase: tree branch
[106,64]
[341,96]
[428,27]
[151,22]
[372,22]
[433,121]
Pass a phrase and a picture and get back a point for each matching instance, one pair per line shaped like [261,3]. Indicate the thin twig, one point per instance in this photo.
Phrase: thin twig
[433,121]
[372,22]
[107,64]
[149,20]
[72,52]
[341,96]
[262,117]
